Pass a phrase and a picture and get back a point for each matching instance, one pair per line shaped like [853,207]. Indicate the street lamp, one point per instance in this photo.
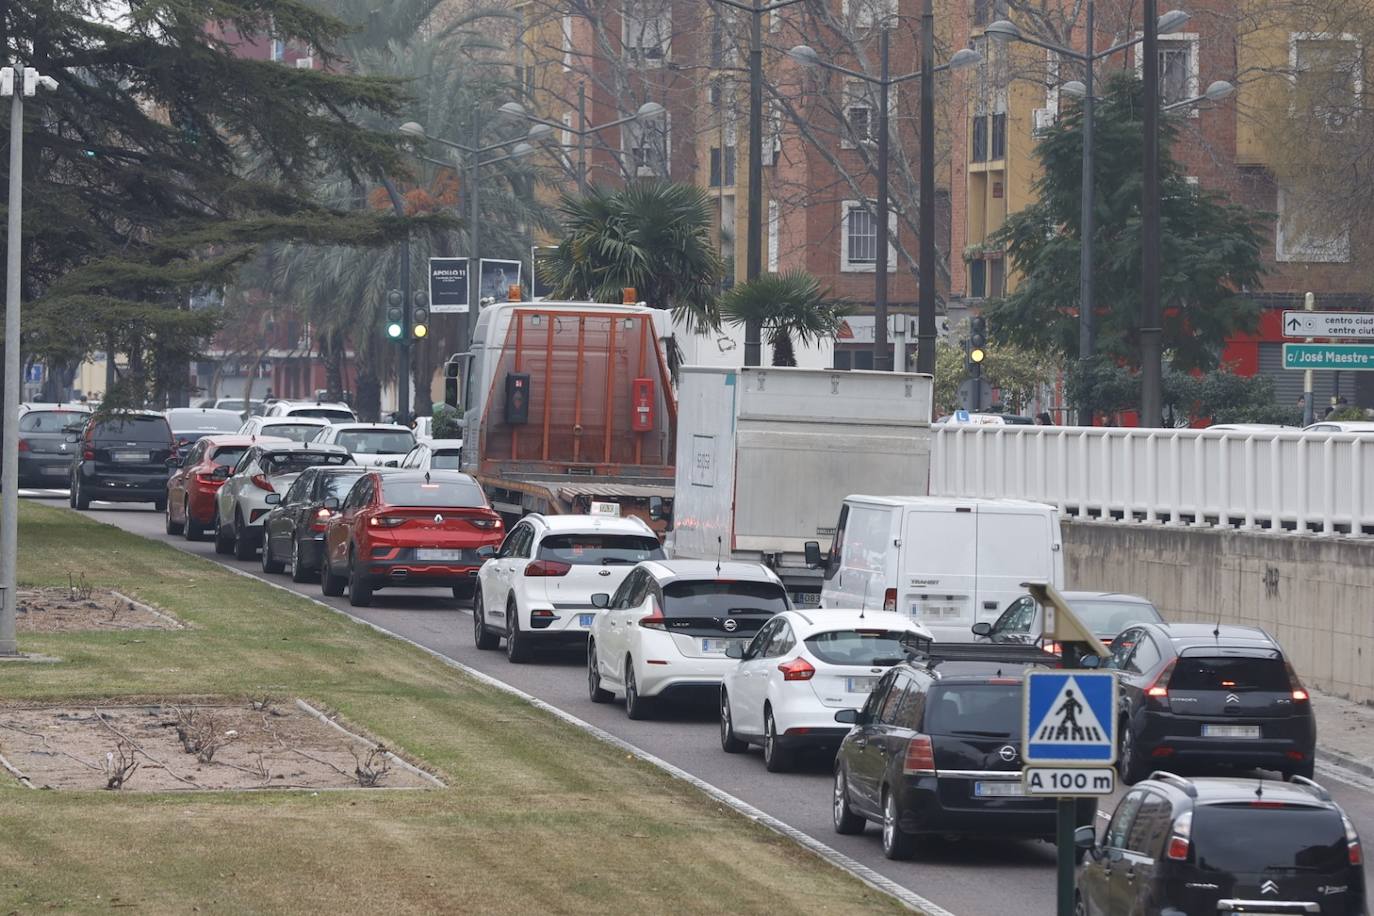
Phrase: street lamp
[1217,91]
[1003,30]
[15,82]
[807,56]
[646,112]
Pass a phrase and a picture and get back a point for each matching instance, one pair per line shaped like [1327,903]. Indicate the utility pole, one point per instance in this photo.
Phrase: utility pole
[402,342]
[753,256]
[926,336]
[1151,356]
[882,354]
[1087,321]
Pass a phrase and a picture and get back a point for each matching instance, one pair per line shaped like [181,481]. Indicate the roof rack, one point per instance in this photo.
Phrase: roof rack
[1174,779]
[1316,788]
[917,647]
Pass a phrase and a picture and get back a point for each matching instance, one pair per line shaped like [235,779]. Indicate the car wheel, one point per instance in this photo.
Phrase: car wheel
[359,589]
[224,537]
[636,706]
[1305,770]
[846,821]
[170,526]
[482,638]
[189,529]
[897,843]
[597,693]
[71,493]
[1130,766]
[243,541]
[81,500]
[299,573]
[728,742]
[1080,908]
[269,563]
[517,646]
[331,585]
[160,505]
[776,758]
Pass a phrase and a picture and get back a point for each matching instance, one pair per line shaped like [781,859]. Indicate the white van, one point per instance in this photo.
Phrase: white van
[948,562]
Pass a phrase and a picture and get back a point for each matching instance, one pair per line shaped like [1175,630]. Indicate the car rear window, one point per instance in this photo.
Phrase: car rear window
[134,429]
[50,421]
[1113,616]
[338,485]
[295,462]
[323,413]
[709,598]
[600,549]
[1229,673]
[445,493]
[302,432]
[196,420]
[982,709]
[448,460]
[858,647]
[228,454]
[1246,838]
[376,441]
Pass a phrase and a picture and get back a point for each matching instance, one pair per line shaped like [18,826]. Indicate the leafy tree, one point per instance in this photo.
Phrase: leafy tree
[792,308]
[1018,372]
[1210,250]
[1216,396]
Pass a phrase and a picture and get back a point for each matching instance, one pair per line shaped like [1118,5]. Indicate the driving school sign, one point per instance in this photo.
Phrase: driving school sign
[1070,718]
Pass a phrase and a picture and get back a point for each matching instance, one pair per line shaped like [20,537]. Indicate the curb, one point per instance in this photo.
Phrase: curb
[868,876]
[1342,759]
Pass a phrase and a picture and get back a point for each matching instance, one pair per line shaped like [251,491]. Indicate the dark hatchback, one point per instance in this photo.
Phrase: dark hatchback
[1176,847]
[45,455]
[122,458]
[936,750]
[1197,696]
[293,531]
[191,424]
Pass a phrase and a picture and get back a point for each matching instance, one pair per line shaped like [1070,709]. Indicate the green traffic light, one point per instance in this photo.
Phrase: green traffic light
[393,330]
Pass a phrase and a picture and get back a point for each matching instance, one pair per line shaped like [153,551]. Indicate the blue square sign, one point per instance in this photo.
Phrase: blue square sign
[1070,717]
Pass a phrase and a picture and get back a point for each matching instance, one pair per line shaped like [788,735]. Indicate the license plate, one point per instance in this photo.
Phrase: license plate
[56,472]
[998,789]
[715,646]
[585,620]
[934,611]
[860,684]
[129,457]
[445,556]
[806,599]
[1230,731]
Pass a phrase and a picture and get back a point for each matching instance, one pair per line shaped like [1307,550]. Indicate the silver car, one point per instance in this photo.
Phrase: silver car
[264,470]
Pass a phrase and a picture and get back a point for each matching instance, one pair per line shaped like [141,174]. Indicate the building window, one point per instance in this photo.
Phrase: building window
[996,277]
[723,39]
[772,134]
[980,138]
[773,217]
[1302,236]
[722,167]
[646,31]
[977,279]
[1178,68]
[1327,75]
[278,49]
[859,230]
[566,27]
[861,113]
[865,14]
[999,136]
[854,358]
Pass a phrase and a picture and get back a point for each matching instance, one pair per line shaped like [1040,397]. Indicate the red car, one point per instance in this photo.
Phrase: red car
[413,528]
[191,488]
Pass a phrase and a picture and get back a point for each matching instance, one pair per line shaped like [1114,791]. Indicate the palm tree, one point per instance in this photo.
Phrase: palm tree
[654,236]
[792,308]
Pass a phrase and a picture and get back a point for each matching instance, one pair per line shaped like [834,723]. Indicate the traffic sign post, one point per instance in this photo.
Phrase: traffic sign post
[1342,357]
[1328,324]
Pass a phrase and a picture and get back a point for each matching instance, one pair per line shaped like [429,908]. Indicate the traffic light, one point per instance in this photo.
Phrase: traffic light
[419,316]
[978,341]
[395,314]
[452,372]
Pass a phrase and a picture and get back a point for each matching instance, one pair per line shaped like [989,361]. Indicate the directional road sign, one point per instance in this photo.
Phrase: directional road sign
[1070,718]
[1345,357]
[1328,324]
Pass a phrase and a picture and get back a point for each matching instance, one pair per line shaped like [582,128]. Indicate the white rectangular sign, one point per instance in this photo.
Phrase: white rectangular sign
[1328,324]
[1069,781]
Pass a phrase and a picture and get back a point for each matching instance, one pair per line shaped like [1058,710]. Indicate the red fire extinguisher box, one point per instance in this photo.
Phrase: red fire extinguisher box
[642,405]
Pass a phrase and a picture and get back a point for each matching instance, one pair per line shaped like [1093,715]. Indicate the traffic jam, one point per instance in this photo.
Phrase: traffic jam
[704,541]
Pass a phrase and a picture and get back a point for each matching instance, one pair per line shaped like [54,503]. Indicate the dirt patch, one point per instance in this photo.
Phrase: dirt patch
[80,607]
[194,745]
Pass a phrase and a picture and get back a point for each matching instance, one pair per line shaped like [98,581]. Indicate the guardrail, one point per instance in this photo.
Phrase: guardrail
[1292,482]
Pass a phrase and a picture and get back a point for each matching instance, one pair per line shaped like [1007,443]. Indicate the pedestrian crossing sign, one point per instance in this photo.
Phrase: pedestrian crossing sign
[1070,718]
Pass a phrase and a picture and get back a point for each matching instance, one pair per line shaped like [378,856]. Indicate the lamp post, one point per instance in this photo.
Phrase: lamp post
[472,162]
[646,112]
[882,356]
[1003,30]
[15,82]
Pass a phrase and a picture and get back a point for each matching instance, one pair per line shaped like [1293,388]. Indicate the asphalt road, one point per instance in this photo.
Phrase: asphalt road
[969,877]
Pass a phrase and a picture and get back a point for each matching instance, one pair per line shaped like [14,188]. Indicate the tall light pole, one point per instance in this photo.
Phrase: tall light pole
[646,112]
[403,342]
[882,355]
[15,82]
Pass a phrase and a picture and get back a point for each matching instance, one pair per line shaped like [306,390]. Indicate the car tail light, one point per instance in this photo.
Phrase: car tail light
[1299,691]
[920,755]
[1352,842]
[387,521]
[23,445]
[321,516]
[88,454]
[654,620]
[261,482]
[548,568]
[209,480]
[1054,648]
[486,524]
[798,669]
[1157,694]
[1179,840]
[890,600]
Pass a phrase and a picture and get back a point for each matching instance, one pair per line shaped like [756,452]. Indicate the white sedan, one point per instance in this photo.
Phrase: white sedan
[800,669]
[370,443]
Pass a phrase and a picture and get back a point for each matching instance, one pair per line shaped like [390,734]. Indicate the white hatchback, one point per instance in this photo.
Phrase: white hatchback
[799,670]
[370,443]
[538,588]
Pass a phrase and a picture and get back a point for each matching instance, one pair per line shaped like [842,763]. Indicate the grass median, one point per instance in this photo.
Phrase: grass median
[537,816]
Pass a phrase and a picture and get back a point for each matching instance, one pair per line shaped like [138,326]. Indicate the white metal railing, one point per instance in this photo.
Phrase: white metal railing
[1279,481]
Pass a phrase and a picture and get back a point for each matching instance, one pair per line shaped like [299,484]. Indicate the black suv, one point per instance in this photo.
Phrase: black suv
[122,458]
[1176,847]
[936,750]
[1199,695]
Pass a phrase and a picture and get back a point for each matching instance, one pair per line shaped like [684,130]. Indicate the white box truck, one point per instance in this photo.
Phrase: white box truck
[946,561]
[766,454]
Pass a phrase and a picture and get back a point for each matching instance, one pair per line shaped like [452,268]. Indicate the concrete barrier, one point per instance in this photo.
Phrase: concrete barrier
[1314,594]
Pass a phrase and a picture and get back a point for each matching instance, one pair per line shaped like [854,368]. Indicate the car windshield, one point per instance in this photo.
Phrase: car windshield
[204,420]
[49,421]
[459,494]
[228,455]
[982,709]
[376,441]
[1113,616]
[1229,673]
[858,647]
[447,460]
[300,432]
[340,483]
[1245,839]
[134,429]
[708,598]
[323,413]
[600,549]
[294,462]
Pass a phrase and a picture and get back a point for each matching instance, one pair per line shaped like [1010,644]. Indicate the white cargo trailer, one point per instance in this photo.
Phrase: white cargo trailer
[765,457]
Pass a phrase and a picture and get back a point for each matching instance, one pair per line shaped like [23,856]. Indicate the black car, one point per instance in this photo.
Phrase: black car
[294,528]
[1202,695]
[936,750]
[122,458]
[191,424]
[45,455]
[1176,847]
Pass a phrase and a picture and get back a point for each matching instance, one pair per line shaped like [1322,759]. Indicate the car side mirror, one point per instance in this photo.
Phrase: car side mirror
[221,472]
[172,463]
[734,650]
[1090,660]
[486,551]
[847,717]
[656,508]
[272,499]
[983,628]
[331,503]
[814,560]
[72,439]
[601,600]
[392,464]
[1085,837]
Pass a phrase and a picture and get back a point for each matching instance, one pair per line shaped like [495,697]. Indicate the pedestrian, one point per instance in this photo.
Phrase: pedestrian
[1043,418]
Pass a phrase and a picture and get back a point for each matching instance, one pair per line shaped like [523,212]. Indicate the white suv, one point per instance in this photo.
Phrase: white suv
[297,429]
[670,625]
[798,671]
[539,586]
[370,443]
[334,412]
